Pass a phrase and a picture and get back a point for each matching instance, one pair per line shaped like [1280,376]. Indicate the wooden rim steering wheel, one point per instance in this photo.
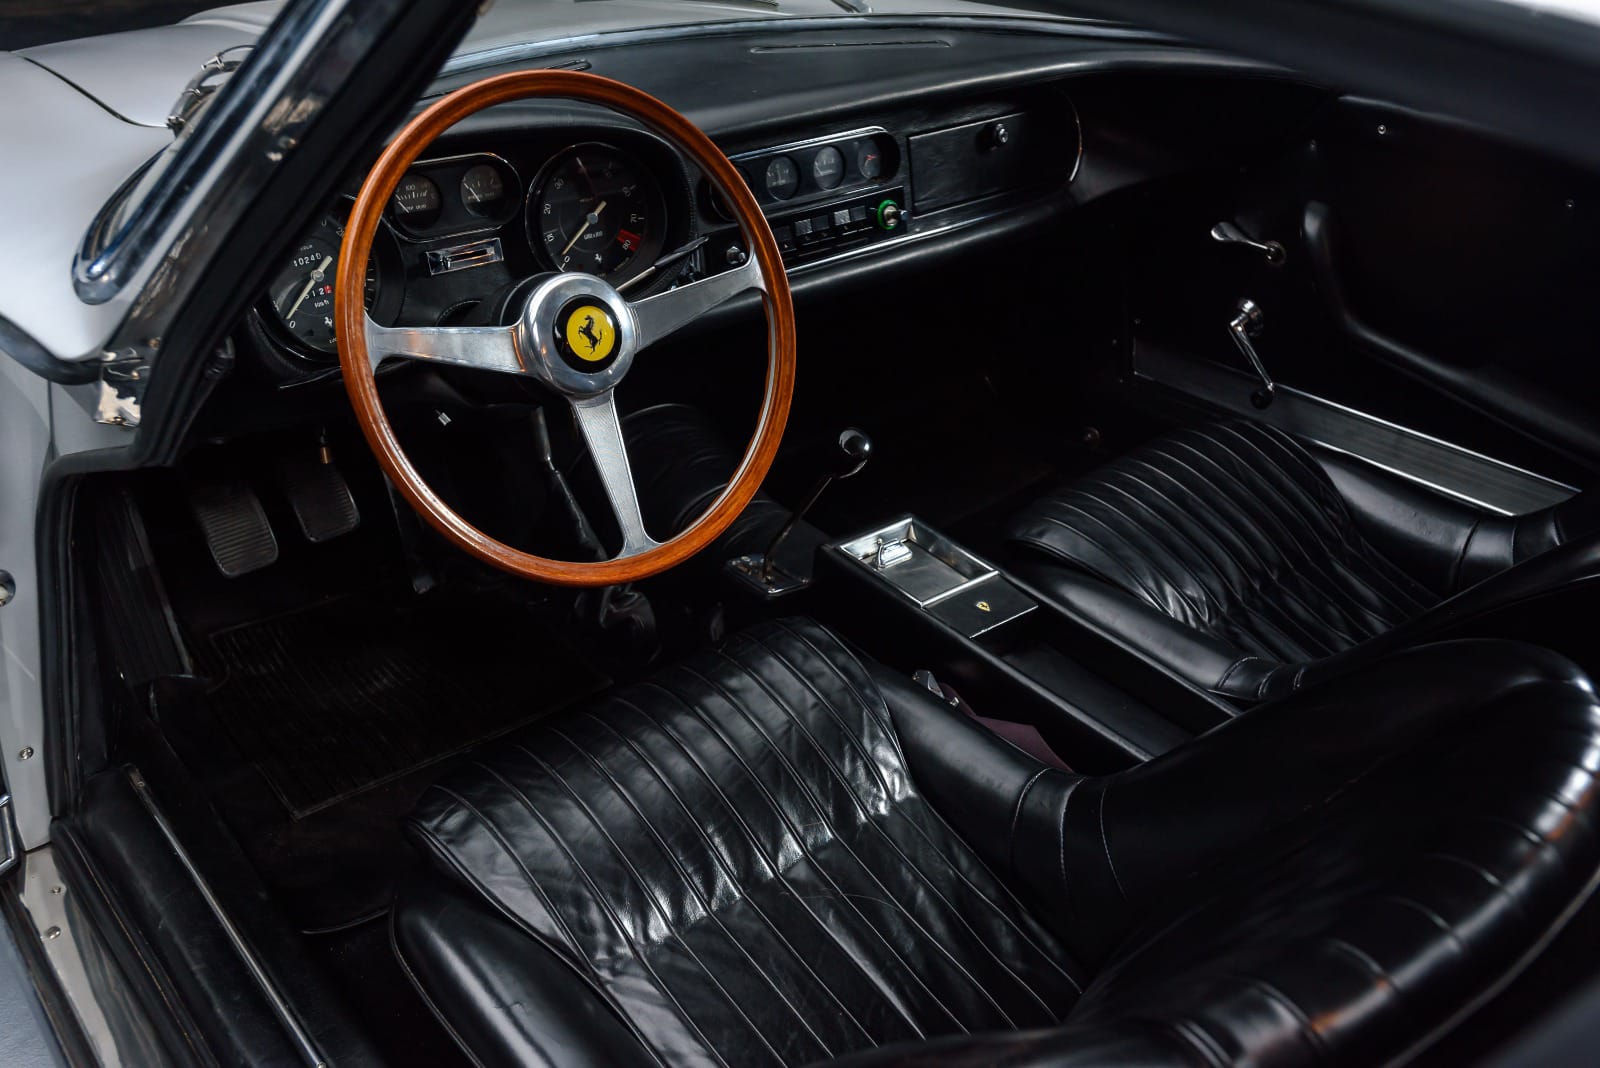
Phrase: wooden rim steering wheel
[536,346]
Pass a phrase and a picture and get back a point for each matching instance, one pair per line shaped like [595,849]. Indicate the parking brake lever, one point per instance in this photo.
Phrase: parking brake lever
[1229,233]
[1245,325]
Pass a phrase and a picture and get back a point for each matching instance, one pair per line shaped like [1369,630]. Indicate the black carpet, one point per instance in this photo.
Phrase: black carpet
[352,694]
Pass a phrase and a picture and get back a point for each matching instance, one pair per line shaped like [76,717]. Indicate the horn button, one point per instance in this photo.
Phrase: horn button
[578,334]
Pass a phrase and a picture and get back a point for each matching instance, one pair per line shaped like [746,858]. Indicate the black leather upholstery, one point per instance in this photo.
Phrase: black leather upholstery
[680,464]
[1239,558]
[780,853]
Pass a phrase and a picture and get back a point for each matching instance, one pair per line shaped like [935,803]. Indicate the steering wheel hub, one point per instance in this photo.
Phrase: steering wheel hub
[577,334]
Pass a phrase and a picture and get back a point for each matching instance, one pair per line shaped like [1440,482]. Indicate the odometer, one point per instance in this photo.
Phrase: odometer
[596,210]
[301,293]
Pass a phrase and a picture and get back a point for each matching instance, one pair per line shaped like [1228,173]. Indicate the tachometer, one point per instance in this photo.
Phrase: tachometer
[596,210]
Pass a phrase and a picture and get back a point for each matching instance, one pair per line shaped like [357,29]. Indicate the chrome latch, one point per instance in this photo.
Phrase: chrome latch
[121,391]
[889,553]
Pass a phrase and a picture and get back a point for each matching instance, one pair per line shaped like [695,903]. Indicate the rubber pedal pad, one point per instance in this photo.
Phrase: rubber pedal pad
[235,526]
[320,497]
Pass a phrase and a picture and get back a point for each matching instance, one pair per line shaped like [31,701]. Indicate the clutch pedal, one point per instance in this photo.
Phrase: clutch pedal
[319,495]
[235,525]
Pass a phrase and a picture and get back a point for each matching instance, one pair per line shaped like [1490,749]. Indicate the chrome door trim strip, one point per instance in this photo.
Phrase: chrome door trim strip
[1522,490]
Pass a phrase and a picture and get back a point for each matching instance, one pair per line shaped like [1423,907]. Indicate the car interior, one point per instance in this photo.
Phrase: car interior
[1160,637]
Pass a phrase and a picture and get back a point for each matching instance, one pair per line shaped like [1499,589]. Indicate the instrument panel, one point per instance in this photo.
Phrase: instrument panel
[461,228]
[473,221]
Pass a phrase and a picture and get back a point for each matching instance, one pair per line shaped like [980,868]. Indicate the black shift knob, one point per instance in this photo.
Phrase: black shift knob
[855,449]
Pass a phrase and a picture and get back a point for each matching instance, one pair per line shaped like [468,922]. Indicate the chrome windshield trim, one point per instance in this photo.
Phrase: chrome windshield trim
[282,86]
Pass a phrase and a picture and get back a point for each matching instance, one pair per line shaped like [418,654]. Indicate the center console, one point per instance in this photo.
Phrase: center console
[916,599]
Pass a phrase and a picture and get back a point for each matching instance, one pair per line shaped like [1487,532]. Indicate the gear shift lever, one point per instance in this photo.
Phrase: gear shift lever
[854,449]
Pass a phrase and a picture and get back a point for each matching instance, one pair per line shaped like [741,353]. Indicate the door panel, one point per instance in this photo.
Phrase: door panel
[1433,277]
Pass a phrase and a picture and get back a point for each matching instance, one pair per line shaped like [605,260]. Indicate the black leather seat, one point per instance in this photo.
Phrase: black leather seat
[779,852]
[1251,564]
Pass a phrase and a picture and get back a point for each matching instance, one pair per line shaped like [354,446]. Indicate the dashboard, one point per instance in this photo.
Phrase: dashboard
[470,224]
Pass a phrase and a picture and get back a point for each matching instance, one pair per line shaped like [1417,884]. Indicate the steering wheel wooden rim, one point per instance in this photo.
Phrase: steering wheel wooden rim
[361,382]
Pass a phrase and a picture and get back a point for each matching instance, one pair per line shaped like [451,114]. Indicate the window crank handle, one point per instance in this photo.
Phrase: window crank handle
[1228,233]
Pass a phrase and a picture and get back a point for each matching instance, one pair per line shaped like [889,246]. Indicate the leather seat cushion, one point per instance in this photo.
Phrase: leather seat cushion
[779,853]
[735,859]
[1232,530]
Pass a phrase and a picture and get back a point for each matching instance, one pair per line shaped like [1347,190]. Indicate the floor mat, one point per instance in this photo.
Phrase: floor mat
[351,694]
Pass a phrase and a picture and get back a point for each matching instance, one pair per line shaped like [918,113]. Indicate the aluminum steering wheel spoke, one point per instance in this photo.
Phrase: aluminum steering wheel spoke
[601,428]
[660,315]
[484,348]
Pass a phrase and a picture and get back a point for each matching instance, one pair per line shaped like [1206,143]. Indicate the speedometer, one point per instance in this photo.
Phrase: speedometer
[301,293]
[595,209]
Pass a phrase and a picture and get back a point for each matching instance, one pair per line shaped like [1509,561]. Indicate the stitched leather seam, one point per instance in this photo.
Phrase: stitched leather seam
[1131,551]
[649,894]
[1454,576]
[1048,956]
[1308,1029]
[1331,575]
[538,890]
[416,984]
[1362,550]
[1325,582]
[1487,876]
[1000,913]
[1222,683]
[1197,1039]
[688,884]
[1264,600]
[1151,595]
[794,833]
[1106,843]
[1428,914]
[772,862]
[727,868]
[1061,843]
[1301,511]
[1259,605]
[867,821]
[1016,811]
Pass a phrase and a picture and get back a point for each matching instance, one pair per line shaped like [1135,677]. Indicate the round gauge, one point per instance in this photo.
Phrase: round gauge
[827,167]
[483,190]
[782,178]
[416,202]
[869,160]
[596,210]
[302,291]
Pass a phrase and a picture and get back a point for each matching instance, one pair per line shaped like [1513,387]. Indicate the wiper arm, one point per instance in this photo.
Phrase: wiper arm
[855,7]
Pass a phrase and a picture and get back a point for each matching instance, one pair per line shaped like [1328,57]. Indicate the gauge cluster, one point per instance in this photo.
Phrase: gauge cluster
[469,224]
[462,228]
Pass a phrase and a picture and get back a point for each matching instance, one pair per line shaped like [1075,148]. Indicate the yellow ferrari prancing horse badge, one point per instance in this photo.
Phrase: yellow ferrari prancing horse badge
[591,333]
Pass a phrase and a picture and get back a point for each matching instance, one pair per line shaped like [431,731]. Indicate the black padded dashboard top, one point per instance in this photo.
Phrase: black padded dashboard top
[739,81]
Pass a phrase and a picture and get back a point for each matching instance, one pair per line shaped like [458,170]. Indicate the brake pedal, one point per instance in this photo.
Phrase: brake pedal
[235,525]
[320,497]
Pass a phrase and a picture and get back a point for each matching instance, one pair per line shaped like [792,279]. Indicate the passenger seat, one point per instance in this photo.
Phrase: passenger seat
[1235,556]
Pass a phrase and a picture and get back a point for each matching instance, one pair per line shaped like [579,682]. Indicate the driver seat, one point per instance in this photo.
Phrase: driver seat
[779,852]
